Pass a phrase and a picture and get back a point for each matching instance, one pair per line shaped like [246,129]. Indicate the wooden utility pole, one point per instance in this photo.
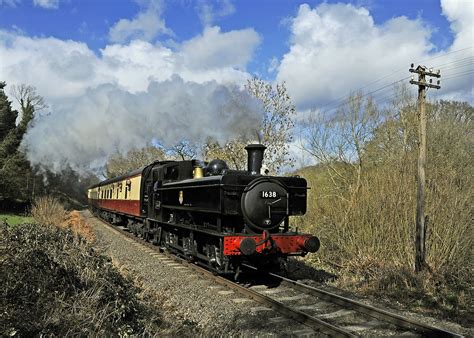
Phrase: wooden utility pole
[422,72]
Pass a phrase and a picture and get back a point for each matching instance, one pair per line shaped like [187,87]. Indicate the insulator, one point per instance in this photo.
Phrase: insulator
[439,82]
[431,80]
[431,70]
[412,65]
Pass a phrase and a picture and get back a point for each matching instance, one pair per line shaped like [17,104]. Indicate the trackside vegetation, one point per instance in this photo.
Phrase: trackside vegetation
[363,199]
[55,282]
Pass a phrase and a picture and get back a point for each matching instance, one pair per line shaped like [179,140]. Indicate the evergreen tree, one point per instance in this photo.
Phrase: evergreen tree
[15,170]
[7,114]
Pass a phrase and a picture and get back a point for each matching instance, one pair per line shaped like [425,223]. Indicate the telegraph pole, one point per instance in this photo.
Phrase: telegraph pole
[422,84]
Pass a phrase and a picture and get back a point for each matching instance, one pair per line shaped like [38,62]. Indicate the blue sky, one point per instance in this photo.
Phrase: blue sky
[90,21]
[143,67]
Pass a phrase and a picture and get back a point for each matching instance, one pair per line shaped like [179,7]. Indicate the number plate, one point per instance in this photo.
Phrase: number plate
[268,194]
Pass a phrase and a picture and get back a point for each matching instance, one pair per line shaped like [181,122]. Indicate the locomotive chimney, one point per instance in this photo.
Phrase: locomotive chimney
[255,157]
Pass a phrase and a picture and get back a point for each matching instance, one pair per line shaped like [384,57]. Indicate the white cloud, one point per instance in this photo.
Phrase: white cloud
[461,15]
[336,48]
[48,4]
[273,65]
[11,3]
[145,26]
[210,11]
[59,69]
[50,63]
[214,49]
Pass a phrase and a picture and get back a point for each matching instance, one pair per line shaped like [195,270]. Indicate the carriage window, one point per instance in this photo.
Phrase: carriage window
[126,192]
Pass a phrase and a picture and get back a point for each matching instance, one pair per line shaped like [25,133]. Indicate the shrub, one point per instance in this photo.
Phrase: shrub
[55,283]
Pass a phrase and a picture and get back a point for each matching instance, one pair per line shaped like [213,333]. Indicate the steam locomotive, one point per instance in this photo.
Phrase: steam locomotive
[208,213]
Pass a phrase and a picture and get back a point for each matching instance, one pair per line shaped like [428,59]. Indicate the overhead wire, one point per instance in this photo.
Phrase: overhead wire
[460,74]
[459,63]
[387,94]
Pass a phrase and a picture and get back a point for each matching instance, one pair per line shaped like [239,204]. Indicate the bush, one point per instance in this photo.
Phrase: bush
[55,283]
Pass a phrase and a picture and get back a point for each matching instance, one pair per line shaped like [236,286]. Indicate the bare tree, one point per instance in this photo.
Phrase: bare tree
[120,164]
[275,131]
[233,152]
[29,101]
[277,123]
[27,97]
[338,140]
[183,151]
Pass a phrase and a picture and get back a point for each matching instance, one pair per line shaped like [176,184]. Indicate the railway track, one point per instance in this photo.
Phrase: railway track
[355,318]
[324,312]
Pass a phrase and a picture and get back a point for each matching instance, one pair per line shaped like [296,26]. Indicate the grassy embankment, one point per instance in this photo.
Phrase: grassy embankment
[56,282]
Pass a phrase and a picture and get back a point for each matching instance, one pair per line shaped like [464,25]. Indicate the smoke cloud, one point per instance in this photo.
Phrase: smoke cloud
[84,131]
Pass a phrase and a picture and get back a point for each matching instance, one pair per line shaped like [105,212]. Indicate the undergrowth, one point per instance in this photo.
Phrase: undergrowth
[444,293]
[363,201]
[55,283]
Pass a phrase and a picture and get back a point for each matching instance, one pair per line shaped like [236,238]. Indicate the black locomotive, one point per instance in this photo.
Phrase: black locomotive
[208,213]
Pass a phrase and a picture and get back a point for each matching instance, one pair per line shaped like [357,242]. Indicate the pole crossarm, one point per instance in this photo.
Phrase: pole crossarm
[425,84]
[422,71]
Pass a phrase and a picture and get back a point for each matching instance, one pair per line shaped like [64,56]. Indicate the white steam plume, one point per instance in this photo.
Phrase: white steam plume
[107,119]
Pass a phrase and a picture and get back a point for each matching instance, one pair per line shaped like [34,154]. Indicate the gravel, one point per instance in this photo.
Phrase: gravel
[194,305]
[320,278]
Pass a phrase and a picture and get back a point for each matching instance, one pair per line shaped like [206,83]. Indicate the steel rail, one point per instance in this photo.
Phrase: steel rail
[315,323]
[369,310]
[301,317]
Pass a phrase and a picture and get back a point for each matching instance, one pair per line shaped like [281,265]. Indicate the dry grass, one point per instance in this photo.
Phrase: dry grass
[362,202]
[369,232]
[47,210]
[78,225]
